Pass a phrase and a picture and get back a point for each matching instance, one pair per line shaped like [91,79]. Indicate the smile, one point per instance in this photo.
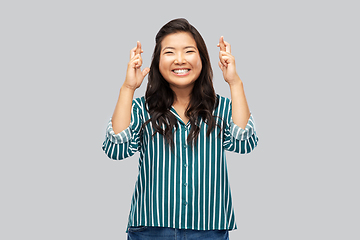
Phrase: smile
[181,71]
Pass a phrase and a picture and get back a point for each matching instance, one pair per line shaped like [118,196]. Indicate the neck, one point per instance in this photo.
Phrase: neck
[182,96]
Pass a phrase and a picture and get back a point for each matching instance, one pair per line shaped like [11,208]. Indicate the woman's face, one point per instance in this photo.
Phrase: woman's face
[180,62]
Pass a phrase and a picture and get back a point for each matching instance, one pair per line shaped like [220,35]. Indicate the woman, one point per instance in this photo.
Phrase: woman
[181,128]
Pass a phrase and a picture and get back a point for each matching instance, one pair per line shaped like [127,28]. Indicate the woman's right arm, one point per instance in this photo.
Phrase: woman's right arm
[134,77]
[122,134]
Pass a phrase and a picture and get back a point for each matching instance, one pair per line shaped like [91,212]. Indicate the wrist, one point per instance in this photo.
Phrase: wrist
[236,82]
[126,92]
[127,88]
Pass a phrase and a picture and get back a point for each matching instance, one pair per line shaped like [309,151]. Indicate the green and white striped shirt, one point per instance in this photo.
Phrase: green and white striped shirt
[187,188]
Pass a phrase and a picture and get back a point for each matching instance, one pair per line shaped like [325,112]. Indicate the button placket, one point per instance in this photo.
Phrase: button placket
[185,145]
[186,132]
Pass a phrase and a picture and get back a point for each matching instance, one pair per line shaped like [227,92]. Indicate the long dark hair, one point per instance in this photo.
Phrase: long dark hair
[160,97]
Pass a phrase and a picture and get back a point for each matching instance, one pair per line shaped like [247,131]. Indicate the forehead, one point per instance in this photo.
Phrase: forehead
[178,40]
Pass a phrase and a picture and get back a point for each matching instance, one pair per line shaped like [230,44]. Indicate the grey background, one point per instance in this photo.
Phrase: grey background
[63,63]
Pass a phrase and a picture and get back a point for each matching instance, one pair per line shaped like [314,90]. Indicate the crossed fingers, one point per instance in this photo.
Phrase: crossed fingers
[224,46]
[135,55]
[225,53]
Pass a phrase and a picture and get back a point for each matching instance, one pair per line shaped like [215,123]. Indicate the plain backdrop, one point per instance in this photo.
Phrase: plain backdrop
[63,63]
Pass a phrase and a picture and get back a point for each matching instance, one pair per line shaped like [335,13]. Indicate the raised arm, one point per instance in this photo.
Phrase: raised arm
[240,108]
[134,77]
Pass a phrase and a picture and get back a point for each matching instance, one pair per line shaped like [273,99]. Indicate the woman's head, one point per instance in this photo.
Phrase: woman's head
[180,63]
[167,34]
[187,51]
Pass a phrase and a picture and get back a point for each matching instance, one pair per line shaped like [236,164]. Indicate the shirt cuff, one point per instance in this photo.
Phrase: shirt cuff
[121,137]
[243,134]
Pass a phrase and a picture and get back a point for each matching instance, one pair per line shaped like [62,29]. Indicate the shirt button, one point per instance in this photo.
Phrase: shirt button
[185,184]
[185,146]
[185,203]
[185,165]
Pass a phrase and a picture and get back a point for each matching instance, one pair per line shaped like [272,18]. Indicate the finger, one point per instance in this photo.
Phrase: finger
[134,63]
[223,63]
[221,66]
[137,56]
[138,63]
[223,58]
[145,71]
[138,48]
[222,53]
[132,52]
[226,59]
[228,47]
[222,44]
[227,56]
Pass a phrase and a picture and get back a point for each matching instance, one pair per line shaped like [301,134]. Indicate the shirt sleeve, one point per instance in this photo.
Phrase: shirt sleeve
[237,139]
[126,143]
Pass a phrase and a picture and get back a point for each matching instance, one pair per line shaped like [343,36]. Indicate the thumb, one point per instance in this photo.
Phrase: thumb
[145,71]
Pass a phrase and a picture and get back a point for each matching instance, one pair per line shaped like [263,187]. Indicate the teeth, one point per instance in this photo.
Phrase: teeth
[181,71]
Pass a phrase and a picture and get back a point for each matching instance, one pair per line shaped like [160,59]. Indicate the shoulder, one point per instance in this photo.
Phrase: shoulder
[222,107]
[139,102]
[139,107]
[222,102]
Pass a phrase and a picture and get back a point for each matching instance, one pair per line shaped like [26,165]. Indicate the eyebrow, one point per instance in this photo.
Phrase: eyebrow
[174,48]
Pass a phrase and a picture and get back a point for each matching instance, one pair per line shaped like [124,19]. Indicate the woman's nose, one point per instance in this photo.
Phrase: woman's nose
[180,59]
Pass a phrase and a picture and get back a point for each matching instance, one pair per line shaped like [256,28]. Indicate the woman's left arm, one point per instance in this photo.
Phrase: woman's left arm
[240,108]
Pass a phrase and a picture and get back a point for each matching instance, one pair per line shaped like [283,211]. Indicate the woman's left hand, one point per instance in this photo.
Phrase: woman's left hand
[227,63]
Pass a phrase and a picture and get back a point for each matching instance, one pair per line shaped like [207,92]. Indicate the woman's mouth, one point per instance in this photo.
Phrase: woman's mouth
[181,72]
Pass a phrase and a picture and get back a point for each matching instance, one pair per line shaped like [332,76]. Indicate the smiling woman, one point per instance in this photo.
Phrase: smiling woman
[182,129]
[180,46]
[180,62]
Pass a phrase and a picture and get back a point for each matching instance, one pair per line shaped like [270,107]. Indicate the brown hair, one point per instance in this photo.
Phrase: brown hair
[160,97]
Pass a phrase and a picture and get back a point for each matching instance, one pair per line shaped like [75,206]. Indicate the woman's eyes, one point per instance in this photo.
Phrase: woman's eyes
[172,52]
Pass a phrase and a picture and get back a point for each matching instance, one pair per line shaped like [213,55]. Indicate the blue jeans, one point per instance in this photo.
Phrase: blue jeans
[165,233]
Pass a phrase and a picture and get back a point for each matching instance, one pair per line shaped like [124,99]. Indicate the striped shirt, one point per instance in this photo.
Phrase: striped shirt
[189,187]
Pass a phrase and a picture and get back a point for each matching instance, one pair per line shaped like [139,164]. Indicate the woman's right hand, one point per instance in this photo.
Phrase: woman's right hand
[134,75]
